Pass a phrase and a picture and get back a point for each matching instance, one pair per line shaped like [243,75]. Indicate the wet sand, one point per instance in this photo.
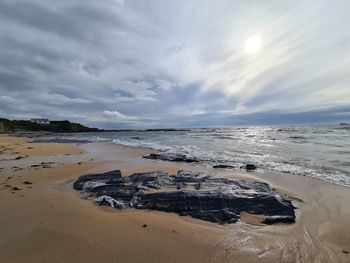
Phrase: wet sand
[47,221]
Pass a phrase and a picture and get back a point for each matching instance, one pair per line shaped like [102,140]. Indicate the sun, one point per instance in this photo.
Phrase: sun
[252,45]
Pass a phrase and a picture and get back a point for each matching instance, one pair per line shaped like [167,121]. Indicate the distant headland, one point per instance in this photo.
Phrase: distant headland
[37,125]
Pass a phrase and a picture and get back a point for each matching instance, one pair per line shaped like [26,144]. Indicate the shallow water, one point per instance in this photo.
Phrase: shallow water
[319,151]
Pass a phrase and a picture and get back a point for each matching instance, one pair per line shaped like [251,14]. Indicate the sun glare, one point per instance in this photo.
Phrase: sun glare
[252,45]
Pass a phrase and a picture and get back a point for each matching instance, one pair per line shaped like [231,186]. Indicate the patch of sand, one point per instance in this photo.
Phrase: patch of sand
[22,147]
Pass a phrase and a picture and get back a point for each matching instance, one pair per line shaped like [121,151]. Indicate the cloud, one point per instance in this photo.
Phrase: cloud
[171,63]
[115,115]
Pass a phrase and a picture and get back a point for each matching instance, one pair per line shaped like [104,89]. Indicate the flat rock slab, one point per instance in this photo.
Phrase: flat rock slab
[198,195]
[171,157]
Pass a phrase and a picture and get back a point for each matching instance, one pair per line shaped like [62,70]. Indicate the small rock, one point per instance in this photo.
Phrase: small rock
[144,225]
[16,188]
[250,167]
[345,251]
[27,182]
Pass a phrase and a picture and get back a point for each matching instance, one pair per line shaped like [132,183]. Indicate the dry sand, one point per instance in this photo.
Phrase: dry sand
[47,221]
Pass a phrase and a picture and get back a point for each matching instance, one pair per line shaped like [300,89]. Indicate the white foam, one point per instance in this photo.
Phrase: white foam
[142,144]
[112,202]
[334,177]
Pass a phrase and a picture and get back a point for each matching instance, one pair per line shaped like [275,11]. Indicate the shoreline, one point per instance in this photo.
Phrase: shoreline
[319,234]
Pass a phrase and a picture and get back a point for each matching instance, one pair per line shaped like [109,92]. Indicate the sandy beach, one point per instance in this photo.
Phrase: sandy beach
[43,219]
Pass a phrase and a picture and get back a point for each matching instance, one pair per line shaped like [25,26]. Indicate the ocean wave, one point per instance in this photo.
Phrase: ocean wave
[287,130]
[100,139]
[142,144]
[335,177]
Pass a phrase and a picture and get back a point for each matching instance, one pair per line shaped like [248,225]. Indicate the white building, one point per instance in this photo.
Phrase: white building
[40,121]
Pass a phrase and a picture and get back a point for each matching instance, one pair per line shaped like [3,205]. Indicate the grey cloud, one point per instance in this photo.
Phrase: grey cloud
[172,63]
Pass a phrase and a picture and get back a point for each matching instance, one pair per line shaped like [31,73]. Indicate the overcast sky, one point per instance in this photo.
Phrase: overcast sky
[143,63]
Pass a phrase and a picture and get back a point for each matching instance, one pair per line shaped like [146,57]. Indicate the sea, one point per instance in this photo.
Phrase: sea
[318,151]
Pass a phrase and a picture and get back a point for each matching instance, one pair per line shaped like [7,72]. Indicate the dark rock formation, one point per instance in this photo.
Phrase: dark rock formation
[223,166]
[172,157]
[201,196]
[86,182]
[250,166]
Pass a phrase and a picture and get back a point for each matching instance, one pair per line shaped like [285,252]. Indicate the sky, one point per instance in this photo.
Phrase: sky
[148,63]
